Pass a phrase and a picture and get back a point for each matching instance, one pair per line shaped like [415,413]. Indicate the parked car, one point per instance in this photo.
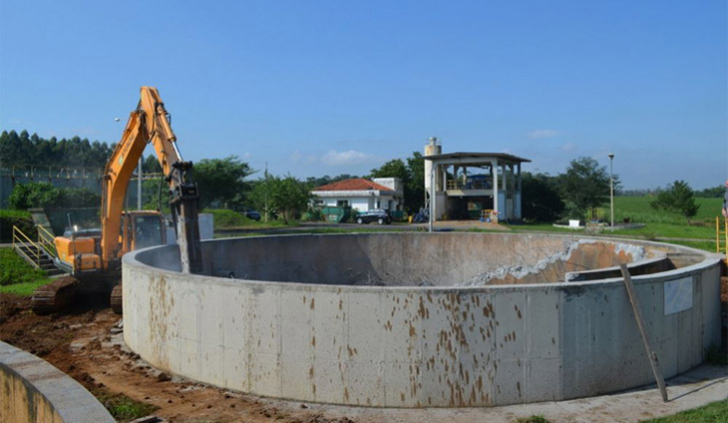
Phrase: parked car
[251,214]
[379,216]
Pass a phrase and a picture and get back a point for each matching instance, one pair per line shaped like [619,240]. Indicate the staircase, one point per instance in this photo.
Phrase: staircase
[38,257]
[38,253]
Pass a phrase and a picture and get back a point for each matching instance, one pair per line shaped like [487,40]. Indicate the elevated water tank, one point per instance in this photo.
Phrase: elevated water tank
[432,149]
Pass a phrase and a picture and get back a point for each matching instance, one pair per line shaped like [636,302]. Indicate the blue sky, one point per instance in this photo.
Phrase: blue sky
[314,88]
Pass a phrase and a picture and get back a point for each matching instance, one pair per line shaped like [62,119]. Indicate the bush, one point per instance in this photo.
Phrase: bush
[314,215]
[33,194]
[223,218]
[10,218]
[45,195]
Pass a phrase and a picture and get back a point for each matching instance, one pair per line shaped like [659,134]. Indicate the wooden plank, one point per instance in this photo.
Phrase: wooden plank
[641,325]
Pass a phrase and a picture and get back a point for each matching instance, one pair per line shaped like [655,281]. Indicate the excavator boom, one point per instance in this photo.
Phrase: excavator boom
[97,259]
[150,123]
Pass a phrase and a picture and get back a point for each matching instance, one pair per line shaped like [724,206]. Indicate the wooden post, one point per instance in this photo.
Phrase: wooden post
[641,325]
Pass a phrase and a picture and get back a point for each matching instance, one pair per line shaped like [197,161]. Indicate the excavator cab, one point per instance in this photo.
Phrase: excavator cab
[142,229]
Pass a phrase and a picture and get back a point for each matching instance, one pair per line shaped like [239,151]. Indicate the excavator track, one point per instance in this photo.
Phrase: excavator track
[53,297]
[115,300]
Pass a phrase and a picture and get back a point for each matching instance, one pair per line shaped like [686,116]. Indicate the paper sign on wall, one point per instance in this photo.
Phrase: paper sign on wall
[678,295]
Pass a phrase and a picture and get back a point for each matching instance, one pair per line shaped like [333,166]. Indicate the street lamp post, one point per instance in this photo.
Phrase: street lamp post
[611,189]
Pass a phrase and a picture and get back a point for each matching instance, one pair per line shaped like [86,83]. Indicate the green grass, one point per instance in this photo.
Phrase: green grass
[532,419]
[658,224]
[123,408]
[672,230]
[638,210]
[14,214]
[24,289]
[716,412]
[17,276]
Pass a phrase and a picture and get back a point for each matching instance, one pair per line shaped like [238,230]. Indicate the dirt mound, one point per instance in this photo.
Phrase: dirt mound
[87,344]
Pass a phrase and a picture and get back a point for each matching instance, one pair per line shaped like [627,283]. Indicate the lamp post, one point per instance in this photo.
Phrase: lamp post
[611,189]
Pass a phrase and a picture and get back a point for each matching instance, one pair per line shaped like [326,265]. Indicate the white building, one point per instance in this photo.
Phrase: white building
[472,185]
[361,194]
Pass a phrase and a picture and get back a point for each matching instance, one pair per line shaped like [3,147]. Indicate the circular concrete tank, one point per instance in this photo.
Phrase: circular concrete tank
[421,320]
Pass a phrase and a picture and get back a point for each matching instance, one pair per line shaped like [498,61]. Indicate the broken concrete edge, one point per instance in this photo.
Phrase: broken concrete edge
[31,389]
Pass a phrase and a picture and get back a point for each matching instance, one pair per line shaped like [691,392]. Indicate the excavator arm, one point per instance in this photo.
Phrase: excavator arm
[150,123]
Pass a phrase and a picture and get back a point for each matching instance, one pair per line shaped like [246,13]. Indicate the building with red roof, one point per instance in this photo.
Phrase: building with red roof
[361,194]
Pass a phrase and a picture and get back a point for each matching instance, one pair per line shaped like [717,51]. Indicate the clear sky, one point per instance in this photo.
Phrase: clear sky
[314,88]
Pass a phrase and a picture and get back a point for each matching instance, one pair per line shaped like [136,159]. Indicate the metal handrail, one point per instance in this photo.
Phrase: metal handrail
[18,236]
[45,238]
[456,184]
[721,245]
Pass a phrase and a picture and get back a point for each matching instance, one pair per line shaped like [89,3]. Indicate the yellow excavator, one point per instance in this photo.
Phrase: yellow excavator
[94,262]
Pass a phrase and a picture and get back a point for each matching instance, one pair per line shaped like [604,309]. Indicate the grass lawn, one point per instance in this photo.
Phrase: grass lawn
[17,276]
[658,224]
[672,230]
[638,209]
[716,412]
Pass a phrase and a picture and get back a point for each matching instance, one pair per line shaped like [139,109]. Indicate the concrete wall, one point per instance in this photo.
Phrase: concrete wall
[407,346]
[445,259]
[31,390]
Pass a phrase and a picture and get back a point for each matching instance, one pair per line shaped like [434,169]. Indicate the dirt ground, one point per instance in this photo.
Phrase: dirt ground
[87,344]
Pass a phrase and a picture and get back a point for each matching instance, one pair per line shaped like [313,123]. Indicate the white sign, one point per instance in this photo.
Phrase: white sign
[678,295]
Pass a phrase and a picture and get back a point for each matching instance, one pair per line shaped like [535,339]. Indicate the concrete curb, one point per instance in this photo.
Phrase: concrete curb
[33,390]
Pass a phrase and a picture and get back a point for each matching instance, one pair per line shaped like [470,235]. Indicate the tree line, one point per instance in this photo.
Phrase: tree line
[24,149]
[226,183]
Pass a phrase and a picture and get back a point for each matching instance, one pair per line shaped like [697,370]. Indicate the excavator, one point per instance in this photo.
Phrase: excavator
[94,262]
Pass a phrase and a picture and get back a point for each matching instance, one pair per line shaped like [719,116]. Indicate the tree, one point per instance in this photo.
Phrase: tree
[392,169]
[151,164]
[25,150]
[677,198]
[221,180]
[715,192]
[414,196]
[412,176]
[541,198]
[584,186]
[286,197]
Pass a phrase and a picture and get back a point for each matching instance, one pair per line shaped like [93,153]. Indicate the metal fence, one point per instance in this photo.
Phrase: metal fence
[80,177]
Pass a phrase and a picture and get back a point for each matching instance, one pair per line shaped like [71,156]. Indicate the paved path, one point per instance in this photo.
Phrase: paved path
[700,386]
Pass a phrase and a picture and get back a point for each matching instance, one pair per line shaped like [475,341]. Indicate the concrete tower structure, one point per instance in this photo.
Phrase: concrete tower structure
[434,148]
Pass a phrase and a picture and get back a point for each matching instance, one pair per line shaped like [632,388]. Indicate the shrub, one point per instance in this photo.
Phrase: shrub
[223,218]
[45,195]
[33,194]
[10,218]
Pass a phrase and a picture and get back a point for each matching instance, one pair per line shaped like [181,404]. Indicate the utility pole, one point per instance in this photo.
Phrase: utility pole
[611,189]
[139,185]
